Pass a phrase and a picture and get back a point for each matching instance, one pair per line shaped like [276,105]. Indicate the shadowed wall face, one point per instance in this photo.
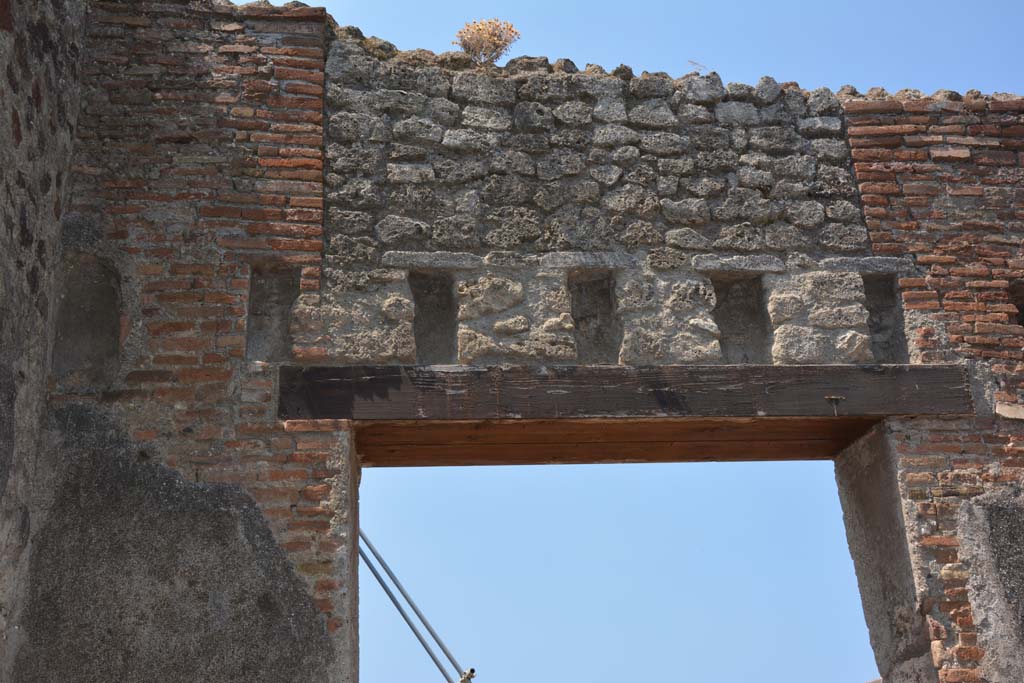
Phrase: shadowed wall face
[885,318]
[86,350]
[40,62]
[597,327]
[434,317]
[139,575]
[742,319]
[272,291]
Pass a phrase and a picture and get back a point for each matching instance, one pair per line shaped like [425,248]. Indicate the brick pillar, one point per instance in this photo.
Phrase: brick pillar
[336,584]
[217,180]
[940,182]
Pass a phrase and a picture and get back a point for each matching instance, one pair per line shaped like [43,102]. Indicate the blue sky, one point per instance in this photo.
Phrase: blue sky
[690,572]
[905,44]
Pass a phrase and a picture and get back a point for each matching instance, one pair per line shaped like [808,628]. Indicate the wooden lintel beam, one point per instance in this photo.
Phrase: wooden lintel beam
[434,443]
[534,392]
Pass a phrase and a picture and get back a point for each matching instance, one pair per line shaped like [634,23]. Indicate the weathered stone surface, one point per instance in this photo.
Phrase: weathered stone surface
[805,214]
[832,151]
[829,307]
[686,238]
[41,50]
[841,238]
[842,211]
[484,117]
[480,88]
[468,140]
[610,110]
[511,326]
[751,264]
[767,90]
[418,130]
[631,198]
[487,295]
[991,530]
[574,113]
[799,345]
[821,126]
[432,260]
[533,116]
[702,89]
[869,475]
[838,317]
[652,114]
[740,237]
[399,229]
[135,561]
[854,347]
[410,173]
[686,211]
[785,237]
[736,113]
[594,260]
[615,135]
[663,144]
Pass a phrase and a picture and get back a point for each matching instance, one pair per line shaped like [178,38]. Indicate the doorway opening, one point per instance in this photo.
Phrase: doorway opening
[667,571]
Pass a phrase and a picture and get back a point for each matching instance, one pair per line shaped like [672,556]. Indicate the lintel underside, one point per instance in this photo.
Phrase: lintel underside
[459,415]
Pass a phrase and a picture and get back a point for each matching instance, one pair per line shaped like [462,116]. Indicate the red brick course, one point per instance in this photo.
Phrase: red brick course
[200,154]
[943,182]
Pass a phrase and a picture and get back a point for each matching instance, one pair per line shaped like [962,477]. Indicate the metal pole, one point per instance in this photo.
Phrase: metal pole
[394,601]
[401,588]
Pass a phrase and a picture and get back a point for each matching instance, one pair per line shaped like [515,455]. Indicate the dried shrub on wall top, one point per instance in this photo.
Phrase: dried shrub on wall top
[487,40]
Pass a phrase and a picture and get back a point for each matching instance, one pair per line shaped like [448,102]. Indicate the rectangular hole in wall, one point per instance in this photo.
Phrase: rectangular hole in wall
[273,290]
[885,318]
[598,329]
[1017,299]
[87,346]
[435,317]
[742,319]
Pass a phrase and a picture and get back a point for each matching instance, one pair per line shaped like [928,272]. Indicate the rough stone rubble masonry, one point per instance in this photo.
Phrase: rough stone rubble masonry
[194,194]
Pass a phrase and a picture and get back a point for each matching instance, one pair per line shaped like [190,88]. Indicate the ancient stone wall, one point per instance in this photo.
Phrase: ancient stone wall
[684,195]
[40,57]
[253,187]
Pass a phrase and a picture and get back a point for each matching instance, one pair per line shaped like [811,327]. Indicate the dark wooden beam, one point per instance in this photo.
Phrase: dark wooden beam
[488,393]
[411,443]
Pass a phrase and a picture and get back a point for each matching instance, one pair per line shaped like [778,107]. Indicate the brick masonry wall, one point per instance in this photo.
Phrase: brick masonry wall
[942,181]
[198,160]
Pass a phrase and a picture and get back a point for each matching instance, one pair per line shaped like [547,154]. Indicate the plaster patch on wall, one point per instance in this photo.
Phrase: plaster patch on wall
[272,293]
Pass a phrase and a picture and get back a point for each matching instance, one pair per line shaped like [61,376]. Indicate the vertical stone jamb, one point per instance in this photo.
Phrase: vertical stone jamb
[873,502]
[334,567]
